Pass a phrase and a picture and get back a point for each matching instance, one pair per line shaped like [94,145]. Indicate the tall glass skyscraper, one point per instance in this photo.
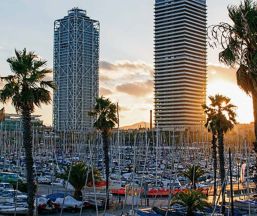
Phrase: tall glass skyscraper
[76,70]
[180,62]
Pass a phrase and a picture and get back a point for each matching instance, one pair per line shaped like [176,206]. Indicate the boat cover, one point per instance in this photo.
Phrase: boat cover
[54,196]
[69,202]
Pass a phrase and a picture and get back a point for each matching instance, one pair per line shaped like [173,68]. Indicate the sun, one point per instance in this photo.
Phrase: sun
[238,97]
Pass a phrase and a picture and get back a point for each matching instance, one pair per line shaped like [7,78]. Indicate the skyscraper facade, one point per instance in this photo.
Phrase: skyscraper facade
[180,62]
[76,70]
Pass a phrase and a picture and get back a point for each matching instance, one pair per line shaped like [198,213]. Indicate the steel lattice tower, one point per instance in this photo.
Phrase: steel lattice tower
[76,70]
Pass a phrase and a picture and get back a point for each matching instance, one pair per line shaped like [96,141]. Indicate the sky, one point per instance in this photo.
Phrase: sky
[126,50]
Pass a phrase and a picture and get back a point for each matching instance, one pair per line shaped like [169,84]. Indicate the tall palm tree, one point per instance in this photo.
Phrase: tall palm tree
[211,126]
[193,173]
[106,117]
[193,200]
[223,119]
[27,89]
[239,43]
[78,176]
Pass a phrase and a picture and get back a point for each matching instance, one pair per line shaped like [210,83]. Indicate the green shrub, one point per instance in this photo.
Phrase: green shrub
[22,187]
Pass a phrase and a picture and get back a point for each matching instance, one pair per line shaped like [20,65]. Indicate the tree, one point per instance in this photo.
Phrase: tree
[193,200]
[106,117]
[223,119]
[193,173]
[27,89]
[79,175]
[211,126]
[239,49]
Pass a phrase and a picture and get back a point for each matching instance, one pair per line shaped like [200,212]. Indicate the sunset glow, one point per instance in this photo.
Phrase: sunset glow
[130,84]
[238,98]
[126,57]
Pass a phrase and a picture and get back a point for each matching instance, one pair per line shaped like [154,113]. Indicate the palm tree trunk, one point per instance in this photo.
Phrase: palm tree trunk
[105,136]
[214,155]
[194,186]
[254,96]
[78,195]
[190,212]
[222,166]
[27,144]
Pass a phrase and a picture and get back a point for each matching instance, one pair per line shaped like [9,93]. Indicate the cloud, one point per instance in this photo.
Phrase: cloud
[131,70]
[144,109]
[49,77]
[149,100]
[123,109]
[104,65]
[126,65]
[105,91]
[220,72]
[138,89]
[130,77]
[104,78]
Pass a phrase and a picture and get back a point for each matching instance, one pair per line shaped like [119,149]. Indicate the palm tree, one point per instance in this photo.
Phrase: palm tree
[106,117]
[193,200]
[80,175]
[193,173]
[223,119]
[210,125]
[239,44]
[27,89]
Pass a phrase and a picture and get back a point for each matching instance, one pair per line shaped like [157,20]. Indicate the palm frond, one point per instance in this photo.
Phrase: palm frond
[239,43]
[193,173]
[106,114]
[79,173]
[27,86]
[220,113]
[193,200]
[47,84]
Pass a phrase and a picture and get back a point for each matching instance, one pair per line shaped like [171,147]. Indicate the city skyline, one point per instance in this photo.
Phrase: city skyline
[126,66]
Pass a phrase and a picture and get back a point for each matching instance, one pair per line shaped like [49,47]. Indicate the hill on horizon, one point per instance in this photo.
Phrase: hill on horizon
[137,125]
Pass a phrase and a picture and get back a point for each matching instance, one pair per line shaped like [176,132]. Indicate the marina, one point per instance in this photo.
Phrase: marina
[160,127]
[146,171]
